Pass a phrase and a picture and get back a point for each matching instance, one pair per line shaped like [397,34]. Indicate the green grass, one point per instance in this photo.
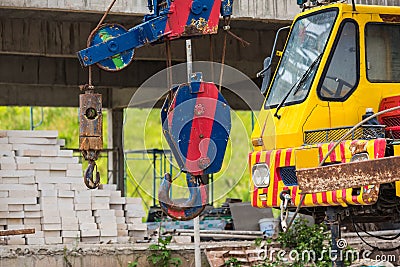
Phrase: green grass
[142,130]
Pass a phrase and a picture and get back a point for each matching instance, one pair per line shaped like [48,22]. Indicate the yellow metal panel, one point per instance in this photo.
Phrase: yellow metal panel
[398,188]
[307,157]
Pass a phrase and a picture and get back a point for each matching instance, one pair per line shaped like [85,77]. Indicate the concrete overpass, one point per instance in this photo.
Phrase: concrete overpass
[39,38]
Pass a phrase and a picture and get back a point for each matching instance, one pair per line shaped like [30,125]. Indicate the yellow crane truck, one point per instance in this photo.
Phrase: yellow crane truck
[340,68]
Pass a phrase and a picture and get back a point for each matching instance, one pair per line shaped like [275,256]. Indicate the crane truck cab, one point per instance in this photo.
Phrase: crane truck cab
[338,63]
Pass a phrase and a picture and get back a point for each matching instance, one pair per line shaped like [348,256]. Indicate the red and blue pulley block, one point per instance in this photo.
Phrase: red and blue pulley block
[196,123]
[111,46]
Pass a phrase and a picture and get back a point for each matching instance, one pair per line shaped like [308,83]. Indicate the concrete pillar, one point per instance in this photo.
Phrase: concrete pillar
[117,116]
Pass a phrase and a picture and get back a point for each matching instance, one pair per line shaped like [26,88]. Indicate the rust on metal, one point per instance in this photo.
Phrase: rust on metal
[91,122]
[17,232]
[349,175]
[371,193]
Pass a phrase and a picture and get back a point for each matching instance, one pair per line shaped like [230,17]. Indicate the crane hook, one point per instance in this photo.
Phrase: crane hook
[192,207]
[88,179]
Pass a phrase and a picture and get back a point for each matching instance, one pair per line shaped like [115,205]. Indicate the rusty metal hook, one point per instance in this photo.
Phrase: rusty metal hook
[88,179]
[191,207]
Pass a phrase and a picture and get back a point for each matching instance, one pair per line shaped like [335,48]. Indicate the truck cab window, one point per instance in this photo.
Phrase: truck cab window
[341,76]
[307,41]
[383,52]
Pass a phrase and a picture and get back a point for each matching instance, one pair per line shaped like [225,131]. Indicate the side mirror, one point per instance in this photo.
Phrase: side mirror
[266,74]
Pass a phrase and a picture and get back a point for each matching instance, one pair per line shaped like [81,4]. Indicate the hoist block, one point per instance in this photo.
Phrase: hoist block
[90,122]
[112,47]
[196,124]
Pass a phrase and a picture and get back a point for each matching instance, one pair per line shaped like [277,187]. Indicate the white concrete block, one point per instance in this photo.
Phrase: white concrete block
[3,194]
[48,199]
[74,166]
[16,240]
[50,220]
[26,180]
[82,199]
[84,213]
[137,227]
[59,160]
[119,213]
[82,206]
[42,173]
[48,195]
[18,221]
[32,207]
[67,213]
[72,234]
[135,214]
[65,153]
[78,186]
[22,160]
[35,240]
[27,153]
[110,187]
[69,220]
[8,166]
[51,212]
[90,233]
[31,134]
[29,221]
[104,213]
[3,140]
[70,227]
[51,233]
[133,220]
[134,200]
[51,227]
[64,187]
[101,200]
[106,220]
[16,173]
[6,147]
[87,226]
[3,206]
[53,240]
[32,214]
[120,220]
[101,193]
[33,166]
[23,193]
[27,147]
[15,207]
[74,173]
[66,193]
[16,214]
[7,153]
[46,186]
[15,227]
[58,166]
[7,159]
[122,226]
[133,207]
[66,203]
[61,142]
[71,240]
[3,214]
[32,140]
[9,180]
[100,206]
[26,200]
[49,153]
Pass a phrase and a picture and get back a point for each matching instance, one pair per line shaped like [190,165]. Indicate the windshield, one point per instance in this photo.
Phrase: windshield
[307,41]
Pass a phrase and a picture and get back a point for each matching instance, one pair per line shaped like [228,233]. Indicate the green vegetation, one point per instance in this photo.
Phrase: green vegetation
[142,130]
[161,254]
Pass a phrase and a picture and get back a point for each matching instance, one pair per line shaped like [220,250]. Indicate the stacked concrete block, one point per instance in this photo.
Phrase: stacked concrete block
[42,188]
[133,215]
